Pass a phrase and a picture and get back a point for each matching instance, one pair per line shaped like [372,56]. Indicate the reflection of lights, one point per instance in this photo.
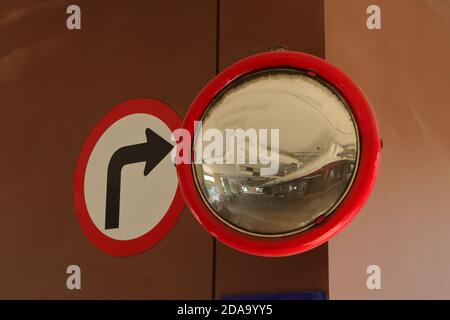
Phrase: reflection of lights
[213,194]
[208,178]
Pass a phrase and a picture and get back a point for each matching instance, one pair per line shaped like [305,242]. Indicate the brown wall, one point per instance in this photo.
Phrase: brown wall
[404,70]
[246,28]
[56,84]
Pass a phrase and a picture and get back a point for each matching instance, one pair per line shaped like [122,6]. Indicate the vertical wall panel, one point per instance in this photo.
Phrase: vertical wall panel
[55,85]
[404,70]
[246,28]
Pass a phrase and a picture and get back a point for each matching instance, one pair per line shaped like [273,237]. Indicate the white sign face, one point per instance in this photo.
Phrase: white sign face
[126,187]
[144,200]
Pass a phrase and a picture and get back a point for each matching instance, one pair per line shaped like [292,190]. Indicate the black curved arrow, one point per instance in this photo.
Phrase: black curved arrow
[151,152]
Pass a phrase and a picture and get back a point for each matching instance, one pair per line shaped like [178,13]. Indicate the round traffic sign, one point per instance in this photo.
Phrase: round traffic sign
[126,191]
[306,162]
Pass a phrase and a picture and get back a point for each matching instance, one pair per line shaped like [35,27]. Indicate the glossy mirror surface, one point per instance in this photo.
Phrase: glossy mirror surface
[316,150]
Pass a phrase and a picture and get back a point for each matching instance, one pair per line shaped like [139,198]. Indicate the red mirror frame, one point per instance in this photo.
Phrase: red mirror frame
[370,149]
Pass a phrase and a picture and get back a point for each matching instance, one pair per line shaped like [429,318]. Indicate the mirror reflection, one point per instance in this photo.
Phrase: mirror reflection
[316,150]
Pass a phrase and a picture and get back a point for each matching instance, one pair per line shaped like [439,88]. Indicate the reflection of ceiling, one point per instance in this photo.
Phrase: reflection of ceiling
[315,127]
[286,173]
[313,166]
[307,113]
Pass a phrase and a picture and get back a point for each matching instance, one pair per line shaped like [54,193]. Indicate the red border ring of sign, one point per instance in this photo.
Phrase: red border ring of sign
[369,157]
[99,239]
